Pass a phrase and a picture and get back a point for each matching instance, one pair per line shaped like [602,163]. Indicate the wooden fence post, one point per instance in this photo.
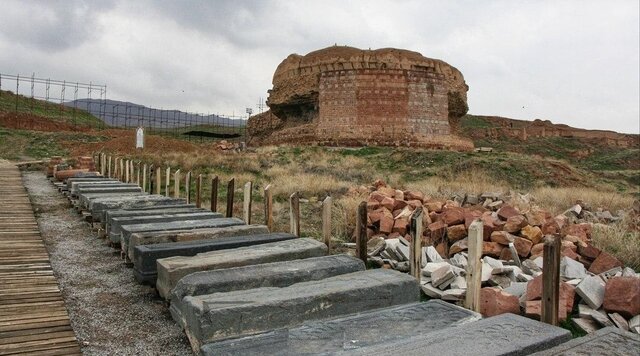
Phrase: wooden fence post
[187,186]
[144,177]
[167,181]
[214,194]
[115,168]
[176,183]
[327,203]
[268,207]
[109,167]
[361,232]
[199,191]
[294,213]
[550,280]
[103,163]
[415,250]
[126,171]
[158,180]
[246,206]
[138,175]
[121,169]
[151,175]
[131,170]
[474,266]
[230,192]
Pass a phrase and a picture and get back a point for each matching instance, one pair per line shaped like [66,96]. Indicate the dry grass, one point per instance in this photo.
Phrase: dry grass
[474,181]
[557,200]
[620,241]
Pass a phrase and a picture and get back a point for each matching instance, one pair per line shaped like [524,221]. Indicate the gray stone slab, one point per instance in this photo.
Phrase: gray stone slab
[86,200]
[350,332]
[129,242]
[122,188]
[607,341]
[172,269]
[115,224]
[99,206]
[154,210]
[506,334]
[97,187]
[145,256]
[76,181]
[276,274]
[219,316]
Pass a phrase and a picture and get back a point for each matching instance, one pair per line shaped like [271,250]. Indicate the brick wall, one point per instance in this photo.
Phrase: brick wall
[382,105]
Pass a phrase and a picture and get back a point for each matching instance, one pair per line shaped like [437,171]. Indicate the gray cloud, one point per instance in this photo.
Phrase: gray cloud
[51,25]
[573,62]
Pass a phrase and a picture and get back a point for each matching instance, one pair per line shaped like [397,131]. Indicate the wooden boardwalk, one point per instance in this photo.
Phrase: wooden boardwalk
[33,318]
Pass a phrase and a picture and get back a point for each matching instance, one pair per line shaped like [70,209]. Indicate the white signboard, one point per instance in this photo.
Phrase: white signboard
[140,137]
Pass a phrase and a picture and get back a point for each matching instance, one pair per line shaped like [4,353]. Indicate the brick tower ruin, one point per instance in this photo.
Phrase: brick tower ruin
[348,96]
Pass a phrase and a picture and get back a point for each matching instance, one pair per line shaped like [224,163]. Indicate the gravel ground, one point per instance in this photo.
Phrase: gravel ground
[110,313]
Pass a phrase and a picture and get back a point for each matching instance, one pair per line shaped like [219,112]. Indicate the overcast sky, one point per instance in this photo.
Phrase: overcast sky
[572,62]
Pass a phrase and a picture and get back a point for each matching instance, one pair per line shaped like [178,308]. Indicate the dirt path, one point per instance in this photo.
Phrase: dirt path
[110,313]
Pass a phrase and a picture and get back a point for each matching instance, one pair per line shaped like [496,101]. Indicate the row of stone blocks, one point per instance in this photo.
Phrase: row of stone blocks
[287,297]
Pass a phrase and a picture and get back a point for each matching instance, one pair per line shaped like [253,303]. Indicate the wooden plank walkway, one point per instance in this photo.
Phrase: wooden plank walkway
[33,318]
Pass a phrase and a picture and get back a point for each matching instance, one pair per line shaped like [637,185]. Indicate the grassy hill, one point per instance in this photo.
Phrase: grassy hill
[22,107]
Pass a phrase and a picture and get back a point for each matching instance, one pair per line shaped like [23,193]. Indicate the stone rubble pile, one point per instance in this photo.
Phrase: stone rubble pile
[596,288]
[225,145]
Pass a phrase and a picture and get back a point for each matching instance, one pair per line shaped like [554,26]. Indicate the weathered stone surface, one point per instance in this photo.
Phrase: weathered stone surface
[567,292]
[154,210]
[523,246]
[131,238]
[622,295]
[502,237]
[456,232]
[571,269]
[591,290]
[494,301]
[276,274]
[604,262]
[515,223]
[115,224]
[214,317]
[145,256]
[171,269]
[533,309]
[107,188]
[348,333]
[100,205]
[505,334]
[86,200]
[76,187]
[493,249]
[607,341]
[507,211]
[532,233]
[587,325]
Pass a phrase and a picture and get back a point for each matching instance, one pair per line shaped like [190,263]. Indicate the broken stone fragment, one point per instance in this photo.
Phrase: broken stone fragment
[375,245]
[604,262]
[454,294]
[459,260]
[456,232]
[622,296]
[431,291]
[619,321]
[457,247]
[432,254]
[532,233]
[507,211]
[459,282]
[442,276]
[587,325]
[601,318]
[432,266]
[591,290]
[515,224]
[571,269]
[494,301]
[502,237]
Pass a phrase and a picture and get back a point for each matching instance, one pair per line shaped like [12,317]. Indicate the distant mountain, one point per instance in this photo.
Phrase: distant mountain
[126,114]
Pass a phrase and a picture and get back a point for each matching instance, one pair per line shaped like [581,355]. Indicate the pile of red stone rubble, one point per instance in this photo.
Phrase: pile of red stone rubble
[596,289]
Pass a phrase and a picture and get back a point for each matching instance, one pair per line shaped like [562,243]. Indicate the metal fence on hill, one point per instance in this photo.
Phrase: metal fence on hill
[79,104]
